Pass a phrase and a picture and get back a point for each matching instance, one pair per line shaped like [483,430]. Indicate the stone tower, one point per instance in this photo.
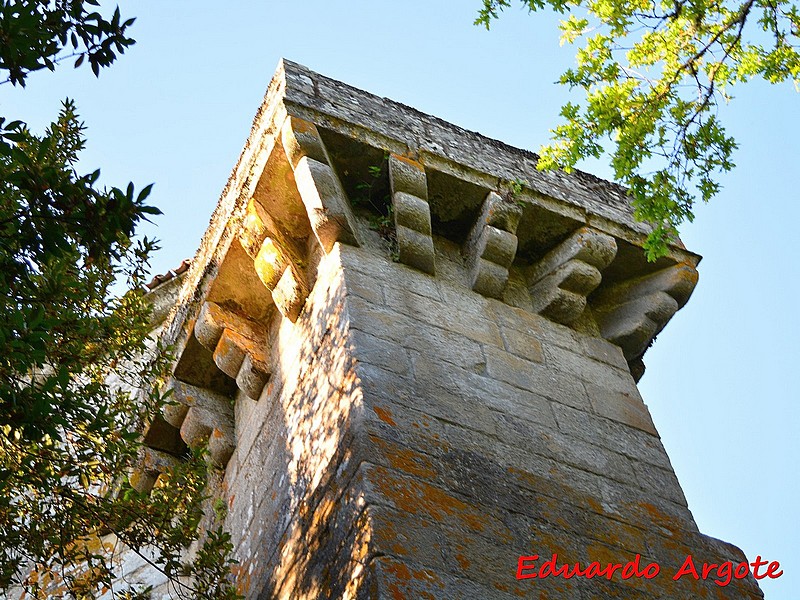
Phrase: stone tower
[414,359]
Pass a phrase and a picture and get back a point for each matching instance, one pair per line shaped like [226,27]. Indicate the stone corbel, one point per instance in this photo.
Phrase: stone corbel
[631,313]
[412,214]
[203,417]
[492,245]
[327,206]
[160,434]
[240,347]
[150,464]
[560,282]
[277,259]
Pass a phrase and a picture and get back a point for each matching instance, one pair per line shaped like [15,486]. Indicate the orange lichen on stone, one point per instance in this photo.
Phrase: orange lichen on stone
[417,497]
[384,415]
[403,584]
[241,574]
[405,459]
[659,518]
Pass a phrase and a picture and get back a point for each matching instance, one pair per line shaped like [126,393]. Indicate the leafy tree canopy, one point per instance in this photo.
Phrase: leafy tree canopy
[653,75]
[66,436]
[36,35]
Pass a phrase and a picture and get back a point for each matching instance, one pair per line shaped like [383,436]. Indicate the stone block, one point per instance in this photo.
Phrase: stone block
[573,451]
[497,246]
[230,352]
[590,370]
[213,319]
[523,344]
[327,206]
[301,138]
[290,294]
[253,231]
[364,286]
[518,319]
[489,278]
[564,277]
[185,396]
[412,212]
[149,465]
[415,249]
[632,312]
[387,273]
[462,317]
[491,245]
[199,424]
[534,377]
[621,407]
[431,342]
[586,245]
[633,325]
[619,437]
[408,176]
[252,376]
[678,281]
[602,350]
[500,213]
[412,217]
[376,351]
[269,263]
[659,480]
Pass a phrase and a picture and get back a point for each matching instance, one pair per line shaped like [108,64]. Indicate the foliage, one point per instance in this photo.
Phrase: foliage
[34,35]
[653,75]
[66,434]
[374,195]
[167,519]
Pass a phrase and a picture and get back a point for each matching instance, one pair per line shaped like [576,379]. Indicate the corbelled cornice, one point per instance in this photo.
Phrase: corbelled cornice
[328,164]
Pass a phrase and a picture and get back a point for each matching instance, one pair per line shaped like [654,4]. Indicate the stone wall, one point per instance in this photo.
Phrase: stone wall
[418,437]
[413,359]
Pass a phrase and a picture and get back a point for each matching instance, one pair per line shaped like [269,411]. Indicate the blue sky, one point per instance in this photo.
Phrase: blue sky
[721,380]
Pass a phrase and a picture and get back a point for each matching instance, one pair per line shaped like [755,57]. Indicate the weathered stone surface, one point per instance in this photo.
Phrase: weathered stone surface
[214,319]
[202,427]
[631,313]
[344,108]
[408,176]
[185,396]
[150,464]
[290,294]
[301,138]
[492,245]
[621,407]
[269,263]
[239,345]
[561,281]
[229,352]
[252,376]
[328,209]
[411,437]
[412,216]
[413,213]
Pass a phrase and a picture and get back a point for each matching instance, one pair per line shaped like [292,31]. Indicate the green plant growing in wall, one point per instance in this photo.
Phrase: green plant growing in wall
[381,217]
